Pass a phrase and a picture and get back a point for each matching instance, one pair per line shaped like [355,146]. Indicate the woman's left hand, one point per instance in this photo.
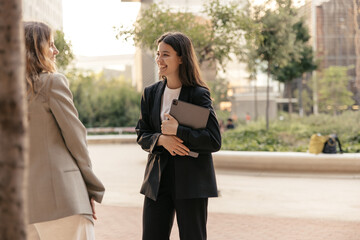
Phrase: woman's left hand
[92,202]
[170,126]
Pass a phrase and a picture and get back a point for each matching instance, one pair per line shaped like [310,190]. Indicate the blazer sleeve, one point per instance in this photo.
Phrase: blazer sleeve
[202,140]
[147,137]
[74,133]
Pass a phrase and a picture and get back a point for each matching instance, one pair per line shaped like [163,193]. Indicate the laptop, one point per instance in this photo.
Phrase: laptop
[190,115]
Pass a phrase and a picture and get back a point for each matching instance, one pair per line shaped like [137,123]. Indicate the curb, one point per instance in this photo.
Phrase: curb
[348,163]
[111,139]
[288,161]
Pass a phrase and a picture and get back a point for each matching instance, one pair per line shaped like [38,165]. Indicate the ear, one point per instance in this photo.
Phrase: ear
[180,60]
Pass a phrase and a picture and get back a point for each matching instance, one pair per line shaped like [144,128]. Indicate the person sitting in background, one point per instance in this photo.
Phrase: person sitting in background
[230,124]
[247,117]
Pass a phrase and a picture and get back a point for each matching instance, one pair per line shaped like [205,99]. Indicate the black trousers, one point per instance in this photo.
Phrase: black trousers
[158,216]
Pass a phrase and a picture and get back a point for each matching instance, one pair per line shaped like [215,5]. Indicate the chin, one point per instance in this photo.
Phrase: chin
[161,73]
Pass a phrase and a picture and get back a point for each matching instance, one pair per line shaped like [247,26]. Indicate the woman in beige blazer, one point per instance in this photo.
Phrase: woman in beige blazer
[61,184]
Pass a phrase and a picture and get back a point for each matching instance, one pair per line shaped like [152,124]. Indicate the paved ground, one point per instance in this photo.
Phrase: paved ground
[125,223]
[252,206]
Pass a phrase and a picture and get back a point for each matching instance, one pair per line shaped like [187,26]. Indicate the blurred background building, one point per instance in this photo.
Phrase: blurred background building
[335,29]
[48,11]
[112,66]
[51,13]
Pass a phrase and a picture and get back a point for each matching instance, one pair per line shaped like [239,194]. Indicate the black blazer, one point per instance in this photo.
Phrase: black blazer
[194,177]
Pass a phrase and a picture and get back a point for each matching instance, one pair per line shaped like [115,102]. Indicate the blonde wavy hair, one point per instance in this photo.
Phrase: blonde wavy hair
[37,41]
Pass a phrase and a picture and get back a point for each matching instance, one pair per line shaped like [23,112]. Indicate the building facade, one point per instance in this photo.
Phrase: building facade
[335,30]
[47,11]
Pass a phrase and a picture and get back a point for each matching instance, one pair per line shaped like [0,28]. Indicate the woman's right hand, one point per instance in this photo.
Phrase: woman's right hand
[173,144]
[92,202]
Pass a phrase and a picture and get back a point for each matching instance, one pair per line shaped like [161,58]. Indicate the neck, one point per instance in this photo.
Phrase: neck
[173,83]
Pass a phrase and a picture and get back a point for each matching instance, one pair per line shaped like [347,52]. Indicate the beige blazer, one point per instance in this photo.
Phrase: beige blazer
[60,178]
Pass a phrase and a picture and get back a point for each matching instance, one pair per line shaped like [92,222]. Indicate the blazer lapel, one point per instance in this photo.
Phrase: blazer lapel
[185,94]
[157,105]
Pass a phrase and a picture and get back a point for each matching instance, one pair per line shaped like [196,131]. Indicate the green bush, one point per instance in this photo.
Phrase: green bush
[104,102]
[293,134]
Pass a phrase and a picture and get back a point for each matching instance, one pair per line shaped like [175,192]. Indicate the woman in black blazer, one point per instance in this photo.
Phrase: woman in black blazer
[175,181]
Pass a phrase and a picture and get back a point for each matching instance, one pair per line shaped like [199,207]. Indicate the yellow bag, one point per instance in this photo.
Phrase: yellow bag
[317,143]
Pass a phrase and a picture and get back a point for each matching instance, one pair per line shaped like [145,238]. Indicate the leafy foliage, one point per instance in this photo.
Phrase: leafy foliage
[214,38]
[307,100]
[294,135]
[295,68]
[104,102]
[276,42]
[65,56]
[277,38]
[218,89]
[158,19]
[333,90]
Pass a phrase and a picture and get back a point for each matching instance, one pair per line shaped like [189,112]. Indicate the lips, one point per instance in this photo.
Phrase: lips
[162,67]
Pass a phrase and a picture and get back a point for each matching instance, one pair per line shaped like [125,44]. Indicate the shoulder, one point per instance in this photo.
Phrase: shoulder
[57,85]
[54,80]
[201,96]
[199,91]
[59,80]
[154,86]
[152,89]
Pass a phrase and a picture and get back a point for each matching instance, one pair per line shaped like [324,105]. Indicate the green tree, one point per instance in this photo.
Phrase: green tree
[65,56]
[219,89]
[334,94]
[83,87]
[104,102]
[295,68]
[118,103]
[214,38]
[276,41]
[307,100]
[249,54]
[252,60]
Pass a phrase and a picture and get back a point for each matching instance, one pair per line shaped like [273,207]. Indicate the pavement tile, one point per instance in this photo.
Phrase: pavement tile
[116,223]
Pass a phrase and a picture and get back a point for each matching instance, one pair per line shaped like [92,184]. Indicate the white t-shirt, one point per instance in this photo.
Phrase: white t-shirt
[167,97]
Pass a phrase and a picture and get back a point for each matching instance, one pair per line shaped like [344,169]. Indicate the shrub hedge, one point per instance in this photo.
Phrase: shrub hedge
[293,134]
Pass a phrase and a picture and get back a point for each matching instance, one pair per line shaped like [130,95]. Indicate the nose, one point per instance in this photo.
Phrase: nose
[56,51]
[159,59]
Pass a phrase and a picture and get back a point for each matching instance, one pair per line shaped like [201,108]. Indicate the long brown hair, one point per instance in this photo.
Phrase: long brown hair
[189,70]
[37,41]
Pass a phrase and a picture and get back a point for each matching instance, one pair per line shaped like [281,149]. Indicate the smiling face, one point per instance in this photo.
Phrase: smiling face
[168,61]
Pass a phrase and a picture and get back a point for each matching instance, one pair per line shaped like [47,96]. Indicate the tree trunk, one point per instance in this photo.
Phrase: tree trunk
[255,100]
[300,87]
[268,96]
[12,122]
[315,94]
[289,97]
